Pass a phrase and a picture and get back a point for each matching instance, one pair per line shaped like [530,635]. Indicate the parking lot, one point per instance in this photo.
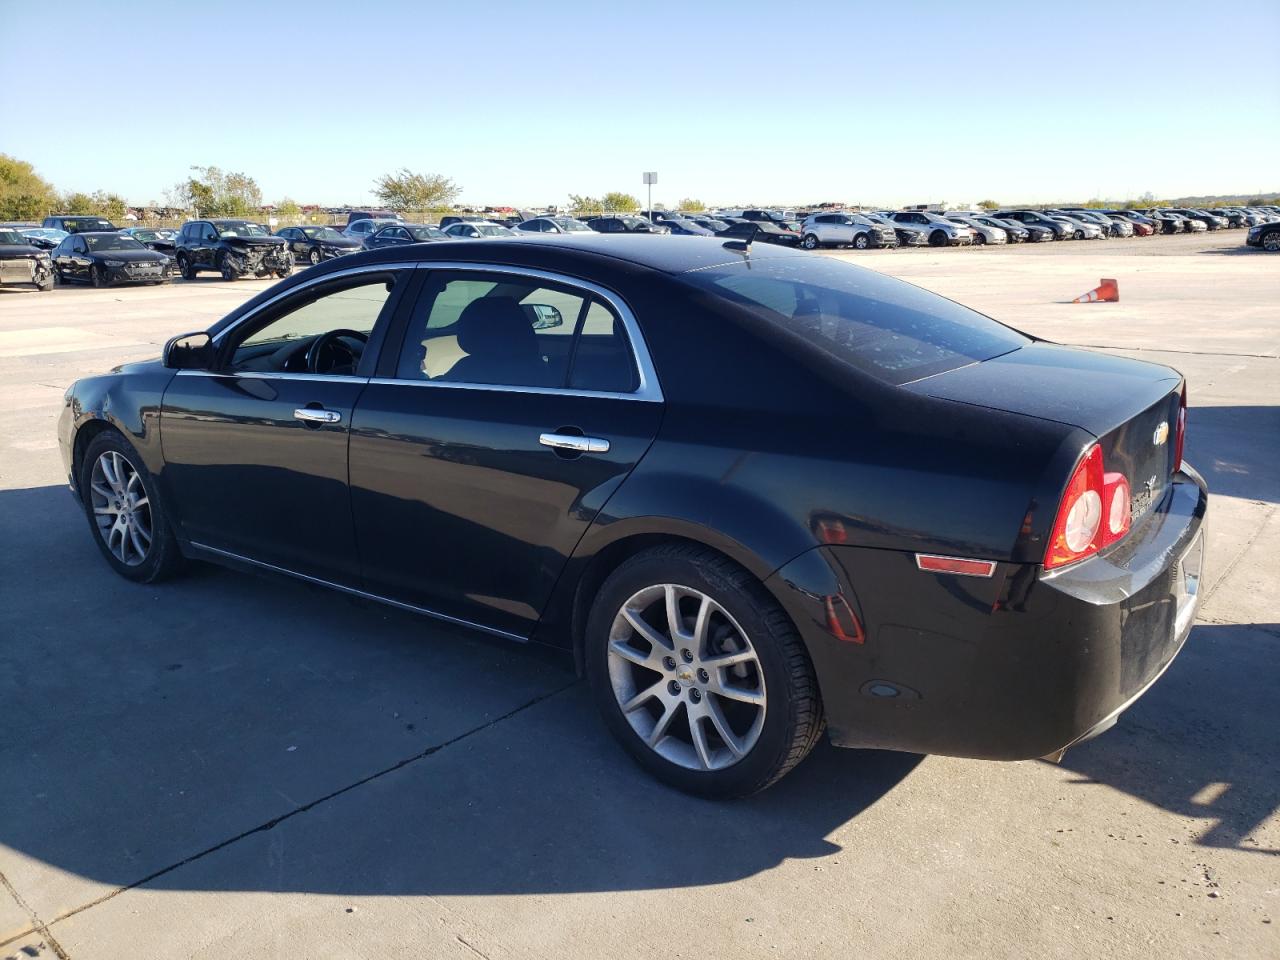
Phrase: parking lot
[231,766]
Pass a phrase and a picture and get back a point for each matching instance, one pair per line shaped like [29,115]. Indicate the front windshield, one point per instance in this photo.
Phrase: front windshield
[322,233]
[146,236]
[492,230]
[112,241]
[891,330]
[572,226]
[240,228]
[858,218]
[427,233]
[12,236]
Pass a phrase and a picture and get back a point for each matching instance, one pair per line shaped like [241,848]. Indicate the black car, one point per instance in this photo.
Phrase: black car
[355,215]
[876,511]
[75,224]
[22,264]
[316,244]
[234,248]
[551,225]
[714,224]
[162,240]
[400,234]
[624,223]
[462,218]
[103,259]
[764,231]
[1266,236]
[684,227]
[1036,218]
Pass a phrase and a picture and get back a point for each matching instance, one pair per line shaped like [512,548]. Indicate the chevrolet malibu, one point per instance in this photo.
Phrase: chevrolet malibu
[756,493]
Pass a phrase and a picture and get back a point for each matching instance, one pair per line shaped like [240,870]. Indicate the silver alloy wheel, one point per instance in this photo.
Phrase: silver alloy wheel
[1271,242]
[686,677]
[314,256]
[121,508]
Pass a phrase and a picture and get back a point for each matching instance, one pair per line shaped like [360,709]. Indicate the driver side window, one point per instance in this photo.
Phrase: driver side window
[283,343]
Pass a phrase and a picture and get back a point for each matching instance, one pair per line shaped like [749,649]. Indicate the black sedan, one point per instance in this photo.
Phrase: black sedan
[876,511]
[400,234]
[314,245]
[22,264]
[162,241]
[103,259]
[761,231]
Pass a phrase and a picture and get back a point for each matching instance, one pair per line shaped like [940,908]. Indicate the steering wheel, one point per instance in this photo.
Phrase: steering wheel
[324,346]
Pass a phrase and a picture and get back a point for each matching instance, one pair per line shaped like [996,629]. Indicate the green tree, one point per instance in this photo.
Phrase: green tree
[79,204]
[109,205]
[615,202]
[1096,204]
[405,190]
[692,205]
[580,204]
[24,195]
[989,205]
[288,207]
[211,192]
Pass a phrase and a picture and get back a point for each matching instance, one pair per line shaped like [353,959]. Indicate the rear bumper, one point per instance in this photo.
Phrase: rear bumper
[1018,666]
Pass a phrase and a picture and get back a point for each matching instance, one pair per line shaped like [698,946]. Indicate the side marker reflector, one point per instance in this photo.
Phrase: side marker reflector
[956,565]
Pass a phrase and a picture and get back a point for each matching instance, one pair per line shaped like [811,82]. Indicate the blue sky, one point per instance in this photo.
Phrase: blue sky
[742,102]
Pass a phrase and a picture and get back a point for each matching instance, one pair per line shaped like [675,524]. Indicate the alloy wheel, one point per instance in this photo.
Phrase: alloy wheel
[1271,242]
[686,677]
[121,508]
[314,256]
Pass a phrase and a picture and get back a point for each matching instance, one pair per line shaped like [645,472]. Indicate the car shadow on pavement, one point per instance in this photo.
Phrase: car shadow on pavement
[1236,450]
[165,734]
[1202,742]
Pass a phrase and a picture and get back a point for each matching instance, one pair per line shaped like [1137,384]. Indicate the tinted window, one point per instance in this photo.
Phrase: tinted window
[602,358]
[889,329]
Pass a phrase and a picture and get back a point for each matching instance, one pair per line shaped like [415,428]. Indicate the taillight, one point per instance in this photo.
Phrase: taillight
[1117,509]
[1181,436]
[1077,531]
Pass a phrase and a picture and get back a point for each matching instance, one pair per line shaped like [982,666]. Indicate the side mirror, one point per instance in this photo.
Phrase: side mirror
[189,351]
[545,316]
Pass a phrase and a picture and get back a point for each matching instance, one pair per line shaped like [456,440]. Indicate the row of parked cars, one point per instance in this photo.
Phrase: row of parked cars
[77,249]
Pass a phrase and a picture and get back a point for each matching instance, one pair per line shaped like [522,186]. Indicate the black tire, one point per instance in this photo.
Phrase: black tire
[979,239]
[186,268]
[861,241]
[98,276]
[314,257]
[46,286]
[793,719]
[1079,234]
[163,558]
[810,242]
[938,239]
[224,267]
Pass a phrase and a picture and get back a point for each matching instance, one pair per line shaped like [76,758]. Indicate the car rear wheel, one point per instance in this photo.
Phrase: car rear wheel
[810,242]
[1271,242]
[314,256]
[129,524]
[700,674]
[861,241]
[938,239]
[979,239]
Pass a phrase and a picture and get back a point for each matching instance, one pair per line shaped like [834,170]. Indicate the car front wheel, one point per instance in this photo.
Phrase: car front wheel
[938,239]
[810,242]
[700,674]
[226,269]
[314,256]
[128,522]
[186,269]
[98,276]
[1271,242]
[861,241]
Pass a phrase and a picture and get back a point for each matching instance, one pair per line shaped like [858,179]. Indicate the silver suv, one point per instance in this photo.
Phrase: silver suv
[942,232]
[844,229]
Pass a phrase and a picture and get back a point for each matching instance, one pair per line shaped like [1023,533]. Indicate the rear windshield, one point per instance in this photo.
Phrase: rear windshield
[883,327]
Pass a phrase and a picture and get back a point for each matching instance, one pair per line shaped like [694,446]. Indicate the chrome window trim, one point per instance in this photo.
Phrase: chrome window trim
[271,375]
[648,390]
[355,591]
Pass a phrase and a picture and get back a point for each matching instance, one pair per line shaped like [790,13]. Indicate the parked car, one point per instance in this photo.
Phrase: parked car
[942,232]
[356,215]
[983,233]
[1266,236]
[1029,218]
[1081,227]
[469,230]
[679,226]
[314,245]
[161,240]
[1210,221]
[77,224]
[1143,226]
[624,223]
[844,230]
[716,226]
[1234,218]
[908,235]
[234,248]
[360,230]
[22,263]
[956,559]
[1185,223]
[1098,218]
[1015,231]
[449,221]
[401,234]
[43,238]
[106,258]
[764,231]
[553,225]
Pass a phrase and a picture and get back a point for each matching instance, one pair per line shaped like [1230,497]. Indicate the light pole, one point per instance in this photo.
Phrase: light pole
[650,178]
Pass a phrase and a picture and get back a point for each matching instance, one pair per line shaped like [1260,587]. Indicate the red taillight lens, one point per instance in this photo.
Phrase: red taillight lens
[1117,509]
[1078,527]
[1181,436]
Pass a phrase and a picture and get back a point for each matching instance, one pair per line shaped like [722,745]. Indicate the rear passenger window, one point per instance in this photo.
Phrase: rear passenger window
[602,358]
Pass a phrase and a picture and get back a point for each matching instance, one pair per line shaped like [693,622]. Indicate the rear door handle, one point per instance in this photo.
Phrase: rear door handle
[565,441]
[311,415]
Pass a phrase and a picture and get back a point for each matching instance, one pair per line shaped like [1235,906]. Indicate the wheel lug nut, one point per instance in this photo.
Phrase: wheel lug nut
[674,687]
[688,656]
[669,662]
[695,695]
[703,676]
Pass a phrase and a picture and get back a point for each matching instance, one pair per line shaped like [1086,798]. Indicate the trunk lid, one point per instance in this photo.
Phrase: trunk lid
[1131,406]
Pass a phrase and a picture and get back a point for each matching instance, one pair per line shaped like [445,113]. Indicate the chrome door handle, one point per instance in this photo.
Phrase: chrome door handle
[309,415]
[564,441]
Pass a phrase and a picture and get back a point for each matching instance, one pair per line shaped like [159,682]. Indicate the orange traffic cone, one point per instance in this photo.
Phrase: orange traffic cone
[1108,292]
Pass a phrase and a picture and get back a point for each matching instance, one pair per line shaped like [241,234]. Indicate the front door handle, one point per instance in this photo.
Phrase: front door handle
[565,441]
[311,415]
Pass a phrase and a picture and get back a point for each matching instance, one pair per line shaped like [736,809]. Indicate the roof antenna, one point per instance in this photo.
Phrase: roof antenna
[742,245]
